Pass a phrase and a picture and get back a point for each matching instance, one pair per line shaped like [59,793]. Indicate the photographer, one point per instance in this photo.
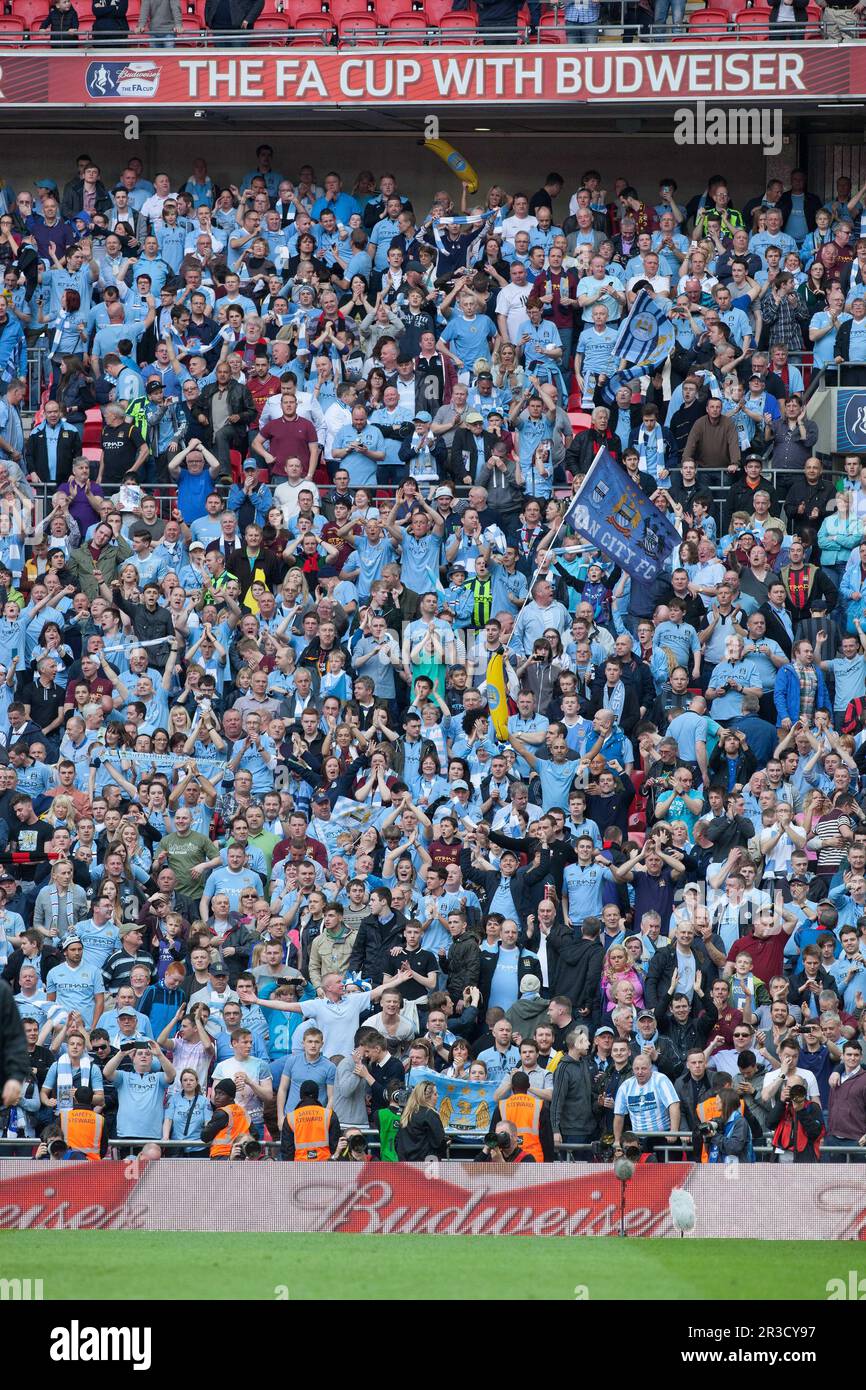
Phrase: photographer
[798,1134]
[504,1145]
[728,1139]
[351,1148]
[421,1134]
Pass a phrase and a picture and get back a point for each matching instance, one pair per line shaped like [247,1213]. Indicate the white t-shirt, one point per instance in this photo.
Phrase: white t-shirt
[511,302]
[809,1082]
[512,225]
[308,409]
[338,1022]
[286,496]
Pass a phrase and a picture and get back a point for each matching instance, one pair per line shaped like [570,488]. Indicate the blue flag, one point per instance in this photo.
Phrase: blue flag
[465,1107]
[645,340]
[620,520]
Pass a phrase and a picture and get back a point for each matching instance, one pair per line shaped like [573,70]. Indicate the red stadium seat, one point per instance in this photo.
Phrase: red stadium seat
[358,29]
[313,29]
[753,26]
[389,10]
[12,29]
[551,29]
[729,7]
[407,28]
[191,27]
[31,13]
[271,29]
[580,420]
[349,9]
[435,9]
[457,28]
[714,20]
[92,426]
[89,452]
[294,10]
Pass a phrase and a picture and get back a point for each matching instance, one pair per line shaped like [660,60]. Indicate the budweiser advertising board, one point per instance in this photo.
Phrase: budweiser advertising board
[454,1199]
[416,77]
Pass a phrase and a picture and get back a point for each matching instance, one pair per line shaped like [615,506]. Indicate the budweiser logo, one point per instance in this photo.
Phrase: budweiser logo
[401,1201]
[69,1197]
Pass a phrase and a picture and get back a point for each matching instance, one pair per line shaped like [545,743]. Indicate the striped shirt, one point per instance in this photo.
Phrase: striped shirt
[648,1105]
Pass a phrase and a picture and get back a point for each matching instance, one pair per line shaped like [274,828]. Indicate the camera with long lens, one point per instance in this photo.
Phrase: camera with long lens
[708,1129]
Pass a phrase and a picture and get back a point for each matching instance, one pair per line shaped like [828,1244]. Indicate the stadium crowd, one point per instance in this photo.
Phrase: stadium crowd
[271,859]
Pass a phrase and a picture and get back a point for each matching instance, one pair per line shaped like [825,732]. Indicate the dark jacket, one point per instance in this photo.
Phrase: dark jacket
[526,896]
[584,447]
[48,959]
[73,198]
[718,765]
[776,632]
[574,968]
[684,1037]
[811,202]
[630,715]
[371,951]
[240,10]
[14,1058]
[109,16]
[464,442]
[423,1137]
[462,965]
[36,453]
[240,402]
[527,964]
[572,1106]
[690,1094]
[660,973]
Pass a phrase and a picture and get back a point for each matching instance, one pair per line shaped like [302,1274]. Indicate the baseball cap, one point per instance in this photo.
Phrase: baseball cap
[604,1029]
[510,852]
[473,418]
[218,969]
[457,569]
[196,545]
[126,1013]
[155,383]
[646,1013]
[442,492]
[415,266]
[424,416]
[45,183]
[250,463]
[798,878]
[321,796]
[459,786]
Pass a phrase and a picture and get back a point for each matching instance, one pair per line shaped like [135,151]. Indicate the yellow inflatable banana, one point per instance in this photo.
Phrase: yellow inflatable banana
[455,161]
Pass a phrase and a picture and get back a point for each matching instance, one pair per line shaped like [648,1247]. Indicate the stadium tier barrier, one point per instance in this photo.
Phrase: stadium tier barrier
[762,1201]
[378,22]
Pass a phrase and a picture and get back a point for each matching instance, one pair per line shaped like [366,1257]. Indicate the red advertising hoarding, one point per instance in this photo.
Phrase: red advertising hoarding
[765,1200]
[289,77]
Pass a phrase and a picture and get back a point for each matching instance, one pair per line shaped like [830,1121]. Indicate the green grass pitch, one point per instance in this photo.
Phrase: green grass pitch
[138,1265]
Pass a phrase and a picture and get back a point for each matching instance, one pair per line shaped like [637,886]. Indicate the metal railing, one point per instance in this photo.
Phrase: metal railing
[460,1148]
[616,20]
